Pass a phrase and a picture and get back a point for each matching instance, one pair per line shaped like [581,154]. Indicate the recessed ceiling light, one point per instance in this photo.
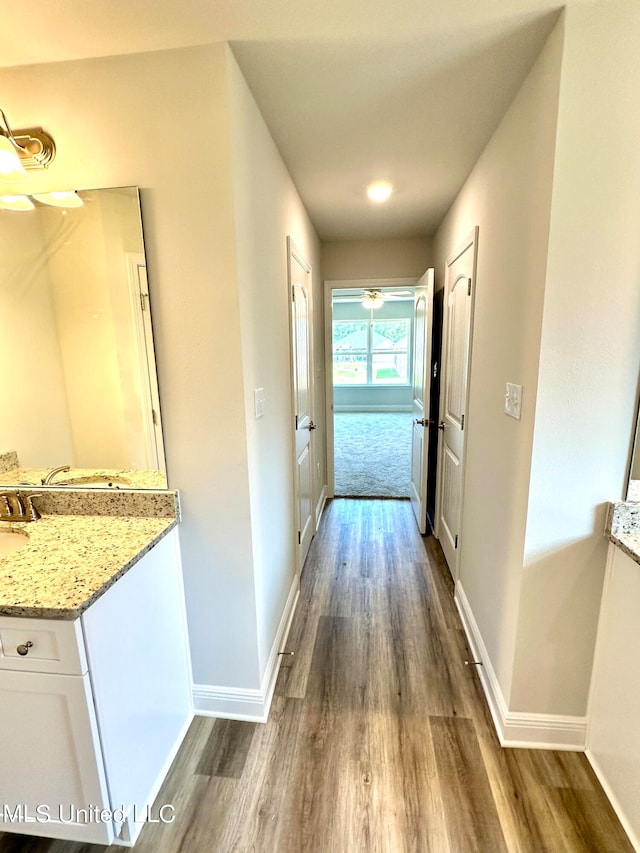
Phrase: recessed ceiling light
[379,191]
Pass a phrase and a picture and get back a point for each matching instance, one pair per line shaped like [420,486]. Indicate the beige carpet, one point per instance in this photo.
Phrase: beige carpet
[372,452]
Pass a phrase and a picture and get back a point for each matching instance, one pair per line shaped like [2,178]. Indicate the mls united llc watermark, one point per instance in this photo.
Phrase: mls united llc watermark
[44,813]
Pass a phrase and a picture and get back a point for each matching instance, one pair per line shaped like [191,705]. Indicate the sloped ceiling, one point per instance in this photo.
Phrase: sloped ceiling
[352,90]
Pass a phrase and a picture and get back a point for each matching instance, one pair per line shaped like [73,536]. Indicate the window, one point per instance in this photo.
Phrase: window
[371,353]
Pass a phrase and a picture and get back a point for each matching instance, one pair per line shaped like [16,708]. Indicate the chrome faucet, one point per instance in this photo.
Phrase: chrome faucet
[46,480]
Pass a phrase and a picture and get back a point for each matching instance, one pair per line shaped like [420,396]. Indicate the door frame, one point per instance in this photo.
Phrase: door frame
[471,239]
[294,252]
[329,286]
[143,330]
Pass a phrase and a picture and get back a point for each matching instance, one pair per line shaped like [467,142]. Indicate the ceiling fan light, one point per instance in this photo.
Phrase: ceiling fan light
[372,299]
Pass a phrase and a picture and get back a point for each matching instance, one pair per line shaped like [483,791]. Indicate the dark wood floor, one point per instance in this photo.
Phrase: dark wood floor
[379,739]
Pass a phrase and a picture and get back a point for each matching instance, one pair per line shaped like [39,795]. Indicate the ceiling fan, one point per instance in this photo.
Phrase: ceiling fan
[376,297]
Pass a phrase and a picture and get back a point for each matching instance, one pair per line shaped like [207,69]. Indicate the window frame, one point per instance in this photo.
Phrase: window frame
[370,352]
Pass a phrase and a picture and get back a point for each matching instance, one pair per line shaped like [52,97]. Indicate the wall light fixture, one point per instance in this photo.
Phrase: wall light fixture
[30,148]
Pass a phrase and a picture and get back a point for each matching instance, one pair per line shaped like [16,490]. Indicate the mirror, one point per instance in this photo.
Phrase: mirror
[78,384]
[633,486]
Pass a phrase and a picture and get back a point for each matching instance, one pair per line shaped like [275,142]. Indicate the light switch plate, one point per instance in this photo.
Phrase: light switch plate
[258,402]
[513,400]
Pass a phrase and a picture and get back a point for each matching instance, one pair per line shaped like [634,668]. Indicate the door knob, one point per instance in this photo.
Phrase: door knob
[441,425]
[311,426]
[422,421]
[24,649]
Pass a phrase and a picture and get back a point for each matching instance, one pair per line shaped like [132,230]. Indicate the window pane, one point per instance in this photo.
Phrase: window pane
[350,353]
[390,368]
[391,335]
[350,368]
[390,345]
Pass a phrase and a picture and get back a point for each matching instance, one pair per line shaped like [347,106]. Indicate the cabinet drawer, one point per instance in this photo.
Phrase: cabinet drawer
[56,646]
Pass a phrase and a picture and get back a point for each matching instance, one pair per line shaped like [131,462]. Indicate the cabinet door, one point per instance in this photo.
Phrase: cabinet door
[48,739]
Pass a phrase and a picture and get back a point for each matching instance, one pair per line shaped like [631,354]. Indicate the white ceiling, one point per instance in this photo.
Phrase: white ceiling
[352,90]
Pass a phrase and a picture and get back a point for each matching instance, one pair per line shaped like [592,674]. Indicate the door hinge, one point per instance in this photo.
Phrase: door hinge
[299,538]
[456,545]
[462,422]
[469,288]
[296,422]
[154,417]
[293,293]
[143,304]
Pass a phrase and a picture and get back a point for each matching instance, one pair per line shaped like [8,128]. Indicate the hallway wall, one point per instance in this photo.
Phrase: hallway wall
[162,121]
[358,259]
[508,194]
[267,209]
[590,355]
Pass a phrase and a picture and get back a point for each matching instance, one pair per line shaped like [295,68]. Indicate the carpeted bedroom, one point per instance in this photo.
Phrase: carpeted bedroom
[372,452]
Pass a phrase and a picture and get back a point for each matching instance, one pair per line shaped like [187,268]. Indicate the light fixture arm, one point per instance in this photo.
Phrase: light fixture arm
[9,133]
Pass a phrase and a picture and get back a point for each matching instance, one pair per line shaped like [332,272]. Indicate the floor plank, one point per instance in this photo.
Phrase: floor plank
[379,739]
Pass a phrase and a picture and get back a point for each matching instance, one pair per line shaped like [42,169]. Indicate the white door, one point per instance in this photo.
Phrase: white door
[456,362]
[301,355]
[422,334]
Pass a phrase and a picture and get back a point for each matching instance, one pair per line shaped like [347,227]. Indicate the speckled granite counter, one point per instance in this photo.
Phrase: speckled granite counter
[100,478]
[623,527]
[71,560]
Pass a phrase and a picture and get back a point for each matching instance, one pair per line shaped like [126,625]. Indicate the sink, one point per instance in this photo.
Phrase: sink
[12,540]
[96,481]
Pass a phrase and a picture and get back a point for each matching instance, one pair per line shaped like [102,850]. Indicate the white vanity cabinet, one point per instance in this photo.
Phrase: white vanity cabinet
[93,714]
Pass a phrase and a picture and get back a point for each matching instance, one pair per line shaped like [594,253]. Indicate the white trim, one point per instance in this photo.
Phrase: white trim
[633,838]
[322,502]
[250,704]
[517,728]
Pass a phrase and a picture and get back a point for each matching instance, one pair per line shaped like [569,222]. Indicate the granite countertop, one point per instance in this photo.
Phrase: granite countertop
[101,478]
[71,560]
[623,527]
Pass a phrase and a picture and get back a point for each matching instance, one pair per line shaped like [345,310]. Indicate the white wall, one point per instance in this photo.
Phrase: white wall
[508,195]
[357,259]
[590,355]
[161,121]
[267,210]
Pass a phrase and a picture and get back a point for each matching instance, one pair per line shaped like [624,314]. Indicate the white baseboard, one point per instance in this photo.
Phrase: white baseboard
[633,837]
[321,505]
[251,705]
[517,728]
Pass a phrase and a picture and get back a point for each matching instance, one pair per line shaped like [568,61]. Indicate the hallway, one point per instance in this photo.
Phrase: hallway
[379,740]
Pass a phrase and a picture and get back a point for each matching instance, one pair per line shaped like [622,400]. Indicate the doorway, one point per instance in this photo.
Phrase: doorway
[369,346]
